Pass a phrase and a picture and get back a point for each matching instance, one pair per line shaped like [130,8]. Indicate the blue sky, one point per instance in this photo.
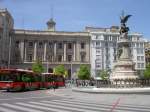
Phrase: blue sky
[74,15]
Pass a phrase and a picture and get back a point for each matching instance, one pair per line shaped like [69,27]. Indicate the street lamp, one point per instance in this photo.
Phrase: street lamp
[71,73]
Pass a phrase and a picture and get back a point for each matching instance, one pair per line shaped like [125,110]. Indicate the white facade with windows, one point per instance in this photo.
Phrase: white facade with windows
[104,49]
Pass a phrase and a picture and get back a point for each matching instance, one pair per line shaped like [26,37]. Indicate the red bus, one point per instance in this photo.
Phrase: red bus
[20,80]
[50,80]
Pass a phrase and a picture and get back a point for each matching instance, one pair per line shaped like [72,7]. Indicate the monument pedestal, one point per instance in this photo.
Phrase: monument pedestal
[124,67]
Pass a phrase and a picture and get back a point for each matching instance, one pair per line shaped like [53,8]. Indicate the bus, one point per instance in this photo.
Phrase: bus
[51,80]
[20,80]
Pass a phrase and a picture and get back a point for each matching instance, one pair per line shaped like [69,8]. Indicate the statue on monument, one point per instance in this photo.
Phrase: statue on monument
[123,20]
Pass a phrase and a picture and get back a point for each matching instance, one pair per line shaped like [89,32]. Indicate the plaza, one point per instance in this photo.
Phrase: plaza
[65,100]
[75,56]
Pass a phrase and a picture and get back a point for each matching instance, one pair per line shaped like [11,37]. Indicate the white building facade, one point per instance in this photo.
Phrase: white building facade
[104,49]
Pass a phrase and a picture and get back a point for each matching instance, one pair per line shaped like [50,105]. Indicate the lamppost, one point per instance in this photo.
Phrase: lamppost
[71,73]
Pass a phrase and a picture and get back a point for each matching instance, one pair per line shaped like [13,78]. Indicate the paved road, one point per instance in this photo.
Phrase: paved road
[64,100]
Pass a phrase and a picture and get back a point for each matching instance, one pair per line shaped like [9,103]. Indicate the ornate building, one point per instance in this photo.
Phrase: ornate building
[104,49]
[52,47]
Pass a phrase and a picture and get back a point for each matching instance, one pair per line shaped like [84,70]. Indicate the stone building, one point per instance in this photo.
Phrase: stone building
[53,47]
[6,26]
[147,52]
[104,49]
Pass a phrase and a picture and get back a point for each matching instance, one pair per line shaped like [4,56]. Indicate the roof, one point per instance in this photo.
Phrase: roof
[55,33]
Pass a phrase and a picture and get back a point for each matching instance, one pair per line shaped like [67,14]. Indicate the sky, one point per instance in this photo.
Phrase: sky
[75,15]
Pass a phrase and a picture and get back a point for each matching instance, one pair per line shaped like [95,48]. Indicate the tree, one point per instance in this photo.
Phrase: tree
[84,72]
[38,67]
[147,72]
[103,74]
[60,70]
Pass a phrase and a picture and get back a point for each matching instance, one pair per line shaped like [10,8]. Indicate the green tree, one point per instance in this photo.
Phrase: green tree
[84,72]
[103,74]
[38,67]
[147,72]
[59,70]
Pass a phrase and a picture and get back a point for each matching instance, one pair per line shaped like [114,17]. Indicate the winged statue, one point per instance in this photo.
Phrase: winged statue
[124,19]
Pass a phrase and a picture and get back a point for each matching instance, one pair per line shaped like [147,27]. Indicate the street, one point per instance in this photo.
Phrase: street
[65,100]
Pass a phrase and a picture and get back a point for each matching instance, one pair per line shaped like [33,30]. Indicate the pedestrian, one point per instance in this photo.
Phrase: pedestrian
[54,85]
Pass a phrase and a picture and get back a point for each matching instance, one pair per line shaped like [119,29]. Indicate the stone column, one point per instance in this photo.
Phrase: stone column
[22,50]
[35,50]
[45,50]
[55,47]
[78,51]
[65,51]
[25,50]
[74,51]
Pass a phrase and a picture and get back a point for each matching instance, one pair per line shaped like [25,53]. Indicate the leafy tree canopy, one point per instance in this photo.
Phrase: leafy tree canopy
[84,72]
[103,74]
[38,67]
[60,70]
[147,72]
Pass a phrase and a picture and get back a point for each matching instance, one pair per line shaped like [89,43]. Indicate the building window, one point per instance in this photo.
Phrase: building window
[82,57]
[49,58]
[82,45]
[141,45]
[96,37]
[141,51]
[138,65]
[106,37]
[69,58]
[30,44]
[137,44]
[69,46]
[40,44]
[98,51]
[142,58]
[98,57]
[138,58]
[50,45]
[17,44]
[59,45]
[142,65]
[97,44]
[30,57]
[59,58]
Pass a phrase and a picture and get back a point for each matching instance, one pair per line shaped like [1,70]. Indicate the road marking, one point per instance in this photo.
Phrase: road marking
[28,98]
[43,108]
[20,108]
[6,110]
[115,105]
[119,107]
[79,105]
[64,107]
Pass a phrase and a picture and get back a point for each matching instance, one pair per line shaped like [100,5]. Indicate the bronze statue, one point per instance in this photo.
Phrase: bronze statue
[123,20]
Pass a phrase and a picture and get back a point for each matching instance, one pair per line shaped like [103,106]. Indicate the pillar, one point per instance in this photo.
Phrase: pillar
[35,50]
[45,50]
[65,51]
